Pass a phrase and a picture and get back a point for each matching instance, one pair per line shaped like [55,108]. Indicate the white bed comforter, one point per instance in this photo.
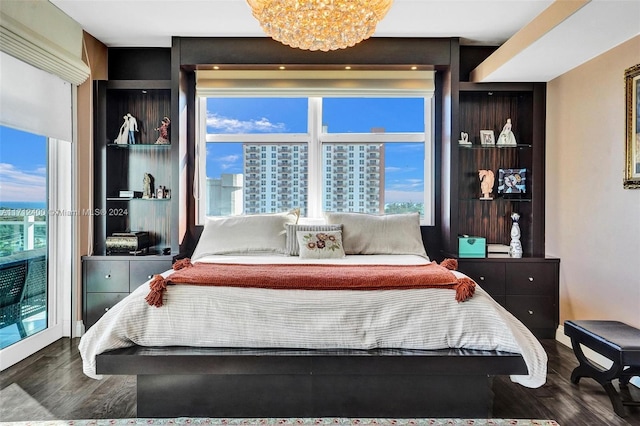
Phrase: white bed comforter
[314,319]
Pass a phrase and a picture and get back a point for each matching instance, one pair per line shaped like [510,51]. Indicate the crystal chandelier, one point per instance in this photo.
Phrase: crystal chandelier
[319,24]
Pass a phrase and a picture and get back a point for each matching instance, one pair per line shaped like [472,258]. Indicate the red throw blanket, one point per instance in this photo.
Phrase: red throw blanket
[314,277]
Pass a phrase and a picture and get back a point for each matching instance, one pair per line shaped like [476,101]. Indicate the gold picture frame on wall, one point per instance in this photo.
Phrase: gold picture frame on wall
[632,151]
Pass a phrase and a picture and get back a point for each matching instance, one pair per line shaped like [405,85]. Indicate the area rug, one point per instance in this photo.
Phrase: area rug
[325,421]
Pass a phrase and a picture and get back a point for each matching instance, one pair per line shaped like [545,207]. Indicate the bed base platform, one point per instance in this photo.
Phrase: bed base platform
[212,382]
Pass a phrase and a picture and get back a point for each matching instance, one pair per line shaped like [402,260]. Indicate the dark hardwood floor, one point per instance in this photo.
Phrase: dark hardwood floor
[50,385]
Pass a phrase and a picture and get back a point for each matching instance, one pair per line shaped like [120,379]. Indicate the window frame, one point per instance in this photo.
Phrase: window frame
[315,139]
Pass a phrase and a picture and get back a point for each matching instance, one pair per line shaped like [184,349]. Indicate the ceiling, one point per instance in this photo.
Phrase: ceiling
[541,45]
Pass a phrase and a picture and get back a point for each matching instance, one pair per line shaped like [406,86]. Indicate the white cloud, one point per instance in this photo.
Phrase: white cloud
[219,124]
[228,159]
[405,185]
[227,162]
[22,185]
[392,169]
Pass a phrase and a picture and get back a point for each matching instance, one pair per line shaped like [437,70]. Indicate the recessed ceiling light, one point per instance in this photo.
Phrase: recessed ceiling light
[347,68]
[414,67]
[282,67]
[215,67]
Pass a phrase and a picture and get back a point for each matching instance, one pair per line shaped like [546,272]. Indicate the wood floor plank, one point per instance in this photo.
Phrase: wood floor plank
[53,383]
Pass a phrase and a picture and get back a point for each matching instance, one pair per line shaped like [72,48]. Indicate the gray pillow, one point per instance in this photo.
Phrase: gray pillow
[250,234]
[380,234]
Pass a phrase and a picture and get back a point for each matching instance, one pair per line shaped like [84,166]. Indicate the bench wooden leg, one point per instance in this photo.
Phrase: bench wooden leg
[604,377]
[627,374]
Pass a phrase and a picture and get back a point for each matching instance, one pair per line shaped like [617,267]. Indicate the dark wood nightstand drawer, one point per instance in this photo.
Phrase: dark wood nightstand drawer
[530,278]
[107,276]
[99,303]
[533,311]
[489,276]
[142,271]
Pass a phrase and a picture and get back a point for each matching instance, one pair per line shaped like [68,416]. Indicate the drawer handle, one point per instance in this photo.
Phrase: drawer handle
[481,278]
[531,279]
[530,312]
[107,276]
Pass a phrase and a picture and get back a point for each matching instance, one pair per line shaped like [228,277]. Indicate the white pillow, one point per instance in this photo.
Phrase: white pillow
[263,233]
[380,234]
[320,245]
[293,248]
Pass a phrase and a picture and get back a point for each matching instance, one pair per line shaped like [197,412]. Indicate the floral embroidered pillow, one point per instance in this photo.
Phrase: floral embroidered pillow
[320,245]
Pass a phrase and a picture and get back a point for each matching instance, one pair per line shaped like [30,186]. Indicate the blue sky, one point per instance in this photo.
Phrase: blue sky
[23,166]
[404,177]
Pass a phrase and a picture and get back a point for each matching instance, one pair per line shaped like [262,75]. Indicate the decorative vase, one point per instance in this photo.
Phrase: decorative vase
[515,248]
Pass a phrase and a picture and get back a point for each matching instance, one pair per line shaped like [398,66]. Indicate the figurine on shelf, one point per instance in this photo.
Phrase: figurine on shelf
[147,186]
[123,135]
[132,127]
[506,136]
[515,248]
[163,139]
[464,139]
[486,183]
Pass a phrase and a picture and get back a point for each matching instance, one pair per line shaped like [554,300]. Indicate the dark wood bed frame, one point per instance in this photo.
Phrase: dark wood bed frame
[212,382]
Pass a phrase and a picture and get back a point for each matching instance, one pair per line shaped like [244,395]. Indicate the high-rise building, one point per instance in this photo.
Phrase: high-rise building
[353,178]
[224,195]
[275,177]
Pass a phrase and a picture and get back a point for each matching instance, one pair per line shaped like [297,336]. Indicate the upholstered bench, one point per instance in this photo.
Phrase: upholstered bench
[614,340]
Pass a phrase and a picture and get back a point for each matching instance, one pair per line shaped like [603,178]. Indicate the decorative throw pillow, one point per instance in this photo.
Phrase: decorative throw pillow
[320,245]
[264,233]
[380,234]
[292,248]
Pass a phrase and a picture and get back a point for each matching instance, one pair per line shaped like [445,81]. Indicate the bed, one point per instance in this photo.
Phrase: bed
[321,351]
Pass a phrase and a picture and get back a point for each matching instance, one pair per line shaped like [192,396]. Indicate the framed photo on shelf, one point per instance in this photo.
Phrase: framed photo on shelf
[487,137]
[632,163]
[512,181]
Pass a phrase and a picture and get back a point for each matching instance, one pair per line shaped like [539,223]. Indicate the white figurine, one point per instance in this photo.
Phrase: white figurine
[515,248]
[464,139]
[123,135]
[486,183]
[506,136]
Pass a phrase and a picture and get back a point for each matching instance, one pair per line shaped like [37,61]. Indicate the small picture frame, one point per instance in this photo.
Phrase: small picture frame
[487,137]
[512,181]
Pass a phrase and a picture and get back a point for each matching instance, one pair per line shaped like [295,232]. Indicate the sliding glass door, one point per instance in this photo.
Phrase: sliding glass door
[23,235]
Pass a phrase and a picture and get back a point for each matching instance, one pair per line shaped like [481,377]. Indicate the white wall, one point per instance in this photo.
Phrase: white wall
[592,223]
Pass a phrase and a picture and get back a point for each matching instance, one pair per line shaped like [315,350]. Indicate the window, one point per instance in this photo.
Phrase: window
[387,138]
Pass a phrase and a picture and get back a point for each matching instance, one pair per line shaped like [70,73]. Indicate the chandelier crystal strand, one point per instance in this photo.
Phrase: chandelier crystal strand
[319,24]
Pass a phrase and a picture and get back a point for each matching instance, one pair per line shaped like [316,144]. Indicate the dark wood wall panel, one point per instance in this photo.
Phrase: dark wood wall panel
[153,216]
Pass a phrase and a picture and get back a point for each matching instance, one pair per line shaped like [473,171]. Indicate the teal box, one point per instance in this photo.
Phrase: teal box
[472,246]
